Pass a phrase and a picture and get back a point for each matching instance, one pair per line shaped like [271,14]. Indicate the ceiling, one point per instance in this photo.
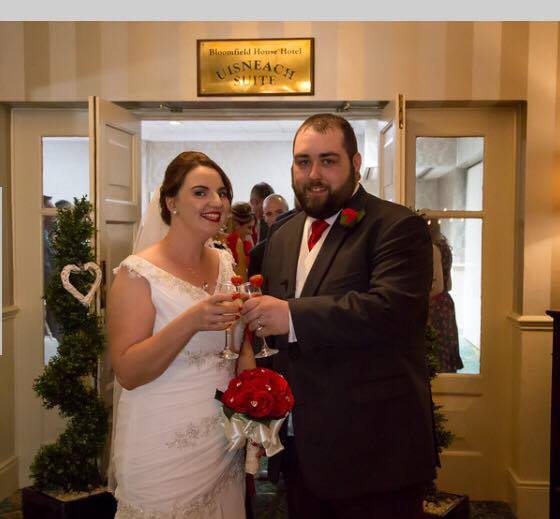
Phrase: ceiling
[240,130]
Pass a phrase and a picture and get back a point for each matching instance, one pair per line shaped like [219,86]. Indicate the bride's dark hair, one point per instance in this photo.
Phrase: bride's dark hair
[177,171]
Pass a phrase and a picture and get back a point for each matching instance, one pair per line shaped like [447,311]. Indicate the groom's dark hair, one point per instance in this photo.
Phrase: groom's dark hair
[175,175]
[322,123]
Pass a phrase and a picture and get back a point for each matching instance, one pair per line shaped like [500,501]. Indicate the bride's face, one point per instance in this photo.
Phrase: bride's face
[202,203]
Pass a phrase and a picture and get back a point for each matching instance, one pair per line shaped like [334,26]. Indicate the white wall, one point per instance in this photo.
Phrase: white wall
[245,162]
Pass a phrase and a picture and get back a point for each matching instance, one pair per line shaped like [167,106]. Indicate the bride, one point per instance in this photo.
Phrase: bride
[170,453]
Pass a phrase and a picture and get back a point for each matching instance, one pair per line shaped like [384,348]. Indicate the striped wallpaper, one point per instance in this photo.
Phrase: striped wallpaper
[67,61]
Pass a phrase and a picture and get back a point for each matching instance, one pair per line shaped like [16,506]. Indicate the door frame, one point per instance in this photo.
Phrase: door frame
[451,385]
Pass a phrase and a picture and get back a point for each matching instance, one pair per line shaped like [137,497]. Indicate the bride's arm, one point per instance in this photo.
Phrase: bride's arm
[137,356]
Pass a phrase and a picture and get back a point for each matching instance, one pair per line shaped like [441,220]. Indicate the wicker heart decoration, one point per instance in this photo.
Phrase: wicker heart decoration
[65,277]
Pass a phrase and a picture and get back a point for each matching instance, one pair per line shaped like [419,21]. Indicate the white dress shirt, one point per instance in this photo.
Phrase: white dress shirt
[307,259]
[305,262]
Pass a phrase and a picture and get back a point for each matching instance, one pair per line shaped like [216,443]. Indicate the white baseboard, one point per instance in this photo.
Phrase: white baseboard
[8,477]
[529,499]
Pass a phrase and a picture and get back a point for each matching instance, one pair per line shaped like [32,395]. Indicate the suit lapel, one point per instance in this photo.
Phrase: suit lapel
[334,240]
[292,245]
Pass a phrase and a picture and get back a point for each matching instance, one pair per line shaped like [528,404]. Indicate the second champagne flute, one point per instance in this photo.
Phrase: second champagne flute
[254,291]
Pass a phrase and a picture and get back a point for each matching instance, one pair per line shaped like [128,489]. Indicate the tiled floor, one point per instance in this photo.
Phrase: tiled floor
[10,508]
[271,504]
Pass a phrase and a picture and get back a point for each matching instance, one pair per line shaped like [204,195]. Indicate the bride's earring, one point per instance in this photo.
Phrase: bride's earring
[174,211]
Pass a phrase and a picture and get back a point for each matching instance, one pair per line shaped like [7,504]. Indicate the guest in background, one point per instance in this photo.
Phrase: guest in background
[442,308]
[258,193]
[239,240]
[52,328]
[437,277]
[63,204]
[273,206]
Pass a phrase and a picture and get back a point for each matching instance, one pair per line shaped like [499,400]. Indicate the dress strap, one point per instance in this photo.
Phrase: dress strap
[135,266]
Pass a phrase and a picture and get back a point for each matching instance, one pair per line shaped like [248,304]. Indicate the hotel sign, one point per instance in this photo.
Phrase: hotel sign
[255,67]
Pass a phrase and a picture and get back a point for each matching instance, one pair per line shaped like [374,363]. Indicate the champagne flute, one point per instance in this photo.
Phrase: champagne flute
[254,291]
[226,287]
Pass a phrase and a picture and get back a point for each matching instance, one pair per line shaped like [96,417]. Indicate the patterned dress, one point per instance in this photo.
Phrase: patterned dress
[442,317]
[171,455]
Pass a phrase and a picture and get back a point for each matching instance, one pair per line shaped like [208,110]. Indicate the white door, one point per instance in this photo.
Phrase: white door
[392,151]
[115,142]
[50,165]
[461,169]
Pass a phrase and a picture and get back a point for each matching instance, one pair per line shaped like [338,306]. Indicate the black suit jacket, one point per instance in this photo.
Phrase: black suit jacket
[256,254]
[263,230]
[362,415]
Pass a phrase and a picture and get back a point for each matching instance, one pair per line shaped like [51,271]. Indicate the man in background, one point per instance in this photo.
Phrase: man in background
[258,193]
[273,206]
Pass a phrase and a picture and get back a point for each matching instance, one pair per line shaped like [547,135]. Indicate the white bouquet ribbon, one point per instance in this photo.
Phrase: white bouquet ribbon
[241,430]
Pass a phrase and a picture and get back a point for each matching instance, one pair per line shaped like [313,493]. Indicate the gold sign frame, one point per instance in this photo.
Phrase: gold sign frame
[277,67]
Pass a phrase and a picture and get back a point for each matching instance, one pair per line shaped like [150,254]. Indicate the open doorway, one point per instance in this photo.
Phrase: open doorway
[249,151]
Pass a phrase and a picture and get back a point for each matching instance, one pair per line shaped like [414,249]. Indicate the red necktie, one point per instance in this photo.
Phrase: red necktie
[317,229]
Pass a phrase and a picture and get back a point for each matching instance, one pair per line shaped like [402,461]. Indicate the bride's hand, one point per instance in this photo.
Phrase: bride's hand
[215,313]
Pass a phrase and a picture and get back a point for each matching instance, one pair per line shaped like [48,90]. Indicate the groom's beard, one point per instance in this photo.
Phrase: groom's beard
[332,203]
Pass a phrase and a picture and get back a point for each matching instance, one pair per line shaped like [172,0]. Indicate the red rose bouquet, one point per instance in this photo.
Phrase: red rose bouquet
[256,403]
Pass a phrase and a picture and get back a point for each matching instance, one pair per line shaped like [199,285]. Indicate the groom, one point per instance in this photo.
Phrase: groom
[348,280]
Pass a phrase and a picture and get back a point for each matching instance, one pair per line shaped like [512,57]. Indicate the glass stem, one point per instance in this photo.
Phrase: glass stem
[229,338]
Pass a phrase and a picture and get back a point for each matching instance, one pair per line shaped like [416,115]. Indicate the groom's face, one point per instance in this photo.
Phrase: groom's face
[323,176]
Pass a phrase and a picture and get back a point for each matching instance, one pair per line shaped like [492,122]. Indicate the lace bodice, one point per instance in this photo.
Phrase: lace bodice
[171,296]
[137,266]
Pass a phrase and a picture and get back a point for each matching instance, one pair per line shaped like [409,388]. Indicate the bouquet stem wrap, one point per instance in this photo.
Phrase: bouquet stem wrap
[241,431]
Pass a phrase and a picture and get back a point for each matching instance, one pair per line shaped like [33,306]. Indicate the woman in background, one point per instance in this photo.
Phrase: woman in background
[442,308]
[239,239]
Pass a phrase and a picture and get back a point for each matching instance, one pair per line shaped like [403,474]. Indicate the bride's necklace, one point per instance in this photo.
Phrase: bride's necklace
[204,285]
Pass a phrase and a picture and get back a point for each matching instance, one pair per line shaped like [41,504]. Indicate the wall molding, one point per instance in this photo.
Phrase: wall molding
[9,312]
[8,476]
[529,497]
[532,323]
[7,463]
[527,483]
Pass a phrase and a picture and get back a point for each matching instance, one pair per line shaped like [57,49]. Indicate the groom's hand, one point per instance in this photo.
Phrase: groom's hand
[267,315]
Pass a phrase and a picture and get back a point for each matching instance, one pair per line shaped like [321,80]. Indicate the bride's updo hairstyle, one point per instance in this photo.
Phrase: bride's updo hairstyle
[175,175]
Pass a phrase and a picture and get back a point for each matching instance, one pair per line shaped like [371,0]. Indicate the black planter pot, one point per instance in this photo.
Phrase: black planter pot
[458,509]
[38,505]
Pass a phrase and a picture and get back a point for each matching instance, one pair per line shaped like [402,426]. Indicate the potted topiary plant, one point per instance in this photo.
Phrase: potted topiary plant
[438,504]
[66,474]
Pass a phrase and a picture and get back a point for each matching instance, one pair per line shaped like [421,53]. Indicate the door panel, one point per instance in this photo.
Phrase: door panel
[469,187]
[44,171]
[115,164]
[391,151]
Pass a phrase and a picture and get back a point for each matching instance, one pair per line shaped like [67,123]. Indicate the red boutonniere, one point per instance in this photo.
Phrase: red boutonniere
[349,218]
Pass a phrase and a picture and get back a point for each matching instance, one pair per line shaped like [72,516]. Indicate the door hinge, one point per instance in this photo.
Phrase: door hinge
[401,111]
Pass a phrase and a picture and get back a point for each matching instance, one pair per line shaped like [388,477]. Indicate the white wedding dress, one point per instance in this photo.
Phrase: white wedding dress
[170,453]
